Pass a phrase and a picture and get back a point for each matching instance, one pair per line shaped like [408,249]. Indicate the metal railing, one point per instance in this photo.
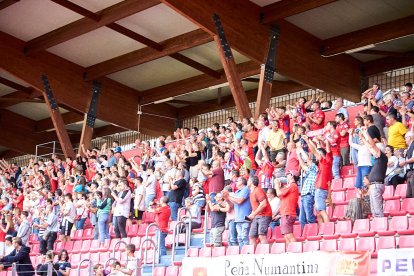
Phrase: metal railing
[154,225]
[115,246]
[90,267]
[205,227]
[107,262]
[176,240]
[144,253]
[188,237]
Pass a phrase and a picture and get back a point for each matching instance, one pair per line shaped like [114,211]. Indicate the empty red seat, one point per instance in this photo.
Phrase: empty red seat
[142,229]
[310,230]
[86,246]
[328,245]
[399,224]
[326,230]
[406,241]
[172,271]
[68,246]
[349,182]
[93,246]
[277,235]
[347,244]
[105,247]
[386,242]
[310,246]
[205,252]
[392,206]
[148,217]
[33,239]
[232,250]
[35,249]
[159,271]
[262,248]
[136,241]
[192,252]
[94,257]
[343,227]
[58,246]
[247,249]
[401,191]
[297,232]
[218,251]
[339,212]
[87,234]
[380,226]
[133,230]
[103,256]
[295,247]
[77,246]
[337,185]
[350,194]
[278,248]
[78,234]
[407,206]
[389,193]
[338,198]
[366,244]
[361,228]
[347,171]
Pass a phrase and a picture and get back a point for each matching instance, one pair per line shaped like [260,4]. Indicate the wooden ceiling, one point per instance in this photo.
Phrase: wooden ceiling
[143,51]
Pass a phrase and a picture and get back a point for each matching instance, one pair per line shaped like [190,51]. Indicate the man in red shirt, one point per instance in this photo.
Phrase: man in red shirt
[261,214]
[316,120]
[323,179]
[342,129]
[252,137]
[289,195]
[334,139]
[163,213]
[216,177]
[19,199]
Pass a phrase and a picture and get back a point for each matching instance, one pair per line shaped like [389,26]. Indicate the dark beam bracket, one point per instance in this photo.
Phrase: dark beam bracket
[91,115]
[49,93]
[224,44]
[270,64]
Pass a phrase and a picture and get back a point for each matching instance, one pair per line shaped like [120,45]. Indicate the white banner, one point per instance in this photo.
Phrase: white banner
[395,261]
[308,263]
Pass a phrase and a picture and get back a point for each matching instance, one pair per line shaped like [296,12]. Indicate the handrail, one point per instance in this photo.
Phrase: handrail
[107,262]
[188,240]
[205,227]
[151,225]
[118,242]
[90,266]
[146,254]
[175,240]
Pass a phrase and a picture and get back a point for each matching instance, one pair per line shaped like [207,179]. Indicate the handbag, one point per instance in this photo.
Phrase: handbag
[78,217]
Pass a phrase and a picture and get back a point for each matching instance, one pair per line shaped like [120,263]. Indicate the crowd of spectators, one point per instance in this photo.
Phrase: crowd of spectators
[247,175]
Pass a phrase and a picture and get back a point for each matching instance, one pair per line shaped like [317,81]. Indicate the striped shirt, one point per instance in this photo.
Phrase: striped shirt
[309,179]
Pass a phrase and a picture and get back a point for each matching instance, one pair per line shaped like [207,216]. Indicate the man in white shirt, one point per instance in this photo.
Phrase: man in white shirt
[122,208]
[69,214]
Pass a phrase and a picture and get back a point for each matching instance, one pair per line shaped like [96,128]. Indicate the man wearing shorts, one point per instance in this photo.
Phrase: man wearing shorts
[289,195]
[261,214]
[69,213]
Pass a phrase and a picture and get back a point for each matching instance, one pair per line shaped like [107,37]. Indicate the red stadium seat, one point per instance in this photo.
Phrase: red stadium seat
[77,246]
[172,271]
[295,247]
[406,241]
[407,206]
[338,198]
[137,242]
[350,194]
[205,252]
[278,248]
[310,230]
[133,230]
[68,246]
[225,238]
[361,228]
[373,269]
[380,226]
[328,245]
[337,185]
[389,193]
[87,234]
[410,229]
[366,244]
[297,232]
[159,271]
[277,235]
[105,247]
[94,257]
[343,227]
[77,235]
[310,246]
[262,249]
[192,252]
[218,251]
[142,229]
[247,249]
[327,230]
[347,171]
[92,247]
[58,246]
[399,224]
[347,244]
[339,212]
[392,206]
[103,256]
[75,260]
[33,239]
[232,250]
[401,191]
[349,182]
[384,243]
[148,217]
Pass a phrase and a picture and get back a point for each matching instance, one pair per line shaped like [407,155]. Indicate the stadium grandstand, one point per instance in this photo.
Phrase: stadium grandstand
[236,137]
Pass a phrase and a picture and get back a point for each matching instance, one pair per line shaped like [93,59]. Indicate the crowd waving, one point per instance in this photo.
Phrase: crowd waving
[248,175]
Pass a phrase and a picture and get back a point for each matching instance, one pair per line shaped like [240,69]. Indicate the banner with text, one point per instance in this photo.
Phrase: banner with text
[308,263]
[395,261]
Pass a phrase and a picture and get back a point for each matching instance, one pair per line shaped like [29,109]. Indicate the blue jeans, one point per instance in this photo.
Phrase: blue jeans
[103,227]
[80,223]
[232,233]
[174,210]
[306,214]
[242,229]
[362,171]
[163,250]
[335,167]
[148,199]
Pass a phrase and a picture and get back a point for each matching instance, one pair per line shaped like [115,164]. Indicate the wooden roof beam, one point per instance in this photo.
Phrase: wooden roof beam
[68,118]
[387,64]
[368,36]
[78,9]
[185,86]
[15,85]
[387,53]
[285,8]
[85,25]
[301,62]
[169,46]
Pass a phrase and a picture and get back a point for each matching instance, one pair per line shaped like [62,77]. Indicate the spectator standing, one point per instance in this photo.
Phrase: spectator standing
[340,109]
[163,213]
[149,184]
[216,177]
[333,137]
[261,214]
[274,202]
[342,128]
[139,199]
[289,195]
[275,140]
[122,208]
[241,202]
[21,256]
[409,164]
[176,194]
[396,132]
[317,118]
[364,158]
[104,204]
[69,213]
[24,228]
[218,211]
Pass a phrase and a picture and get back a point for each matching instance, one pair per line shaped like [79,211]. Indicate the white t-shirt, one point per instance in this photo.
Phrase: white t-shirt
[140,190]
[70,211]
[275,205]
[150,189]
